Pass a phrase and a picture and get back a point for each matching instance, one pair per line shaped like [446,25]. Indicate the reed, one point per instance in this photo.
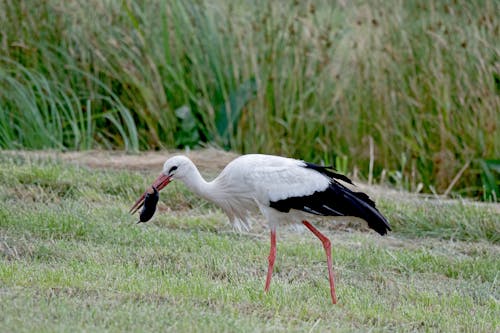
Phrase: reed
[314,80]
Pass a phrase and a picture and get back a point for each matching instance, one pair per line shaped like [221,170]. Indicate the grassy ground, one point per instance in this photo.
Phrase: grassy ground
[72,259]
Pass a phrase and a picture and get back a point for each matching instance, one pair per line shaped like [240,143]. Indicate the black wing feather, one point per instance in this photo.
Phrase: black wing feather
[329,173]
[336,200]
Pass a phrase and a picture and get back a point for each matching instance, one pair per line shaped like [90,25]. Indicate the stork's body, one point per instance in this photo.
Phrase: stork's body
[284,190]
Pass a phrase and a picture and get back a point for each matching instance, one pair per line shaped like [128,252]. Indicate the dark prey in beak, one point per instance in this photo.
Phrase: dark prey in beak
[149,207]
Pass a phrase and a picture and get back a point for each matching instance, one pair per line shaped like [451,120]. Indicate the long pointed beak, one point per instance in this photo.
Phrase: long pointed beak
[159,184]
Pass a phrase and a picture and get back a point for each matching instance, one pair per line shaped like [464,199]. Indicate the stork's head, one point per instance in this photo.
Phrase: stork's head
[176,167]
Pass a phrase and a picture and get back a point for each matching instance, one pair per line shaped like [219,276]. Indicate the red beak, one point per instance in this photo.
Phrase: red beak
[159,183]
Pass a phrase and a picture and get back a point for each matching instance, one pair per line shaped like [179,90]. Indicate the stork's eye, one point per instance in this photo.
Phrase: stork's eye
[172,169]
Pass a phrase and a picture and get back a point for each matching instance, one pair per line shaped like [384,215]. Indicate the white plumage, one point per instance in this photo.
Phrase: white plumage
[285,190]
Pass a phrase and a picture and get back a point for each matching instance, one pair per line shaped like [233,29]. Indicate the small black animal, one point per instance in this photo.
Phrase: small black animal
[149,208]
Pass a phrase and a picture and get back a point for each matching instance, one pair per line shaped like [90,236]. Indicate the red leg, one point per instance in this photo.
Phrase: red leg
[272,256]
[328,250]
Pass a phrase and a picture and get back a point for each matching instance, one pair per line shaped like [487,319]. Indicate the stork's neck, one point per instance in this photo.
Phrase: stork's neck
[196,183]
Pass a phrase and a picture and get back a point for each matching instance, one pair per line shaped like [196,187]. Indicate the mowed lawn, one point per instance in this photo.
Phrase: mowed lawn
[73,259]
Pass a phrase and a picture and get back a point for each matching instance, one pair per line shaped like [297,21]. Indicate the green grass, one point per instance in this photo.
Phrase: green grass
[72,259]
[313,80]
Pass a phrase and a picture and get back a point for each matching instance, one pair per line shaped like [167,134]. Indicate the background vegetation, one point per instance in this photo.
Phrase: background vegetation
[405,91]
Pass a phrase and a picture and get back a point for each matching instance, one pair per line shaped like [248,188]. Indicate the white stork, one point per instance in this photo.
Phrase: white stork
[285,190]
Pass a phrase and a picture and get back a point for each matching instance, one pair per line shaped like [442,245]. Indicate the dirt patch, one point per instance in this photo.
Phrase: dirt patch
[210,160]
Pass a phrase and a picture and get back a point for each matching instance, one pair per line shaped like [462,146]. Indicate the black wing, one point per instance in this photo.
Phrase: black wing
[336,200]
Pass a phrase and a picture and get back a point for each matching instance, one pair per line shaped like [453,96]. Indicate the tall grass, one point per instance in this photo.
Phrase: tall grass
[314,80]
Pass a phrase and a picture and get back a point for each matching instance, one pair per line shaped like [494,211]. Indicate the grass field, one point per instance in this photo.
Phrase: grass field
[72,259]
